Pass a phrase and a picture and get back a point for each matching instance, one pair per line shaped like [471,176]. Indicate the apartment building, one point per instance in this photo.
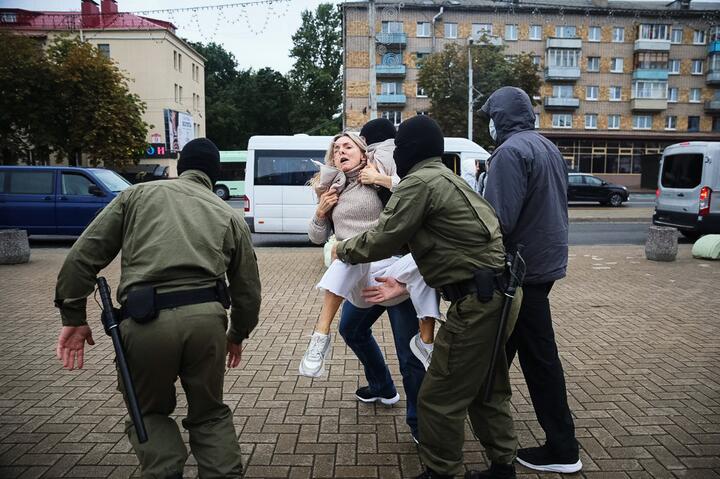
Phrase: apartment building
[164,71]
[621,80]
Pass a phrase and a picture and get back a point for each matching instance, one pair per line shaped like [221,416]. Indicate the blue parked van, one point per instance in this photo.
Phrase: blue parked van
[49,200]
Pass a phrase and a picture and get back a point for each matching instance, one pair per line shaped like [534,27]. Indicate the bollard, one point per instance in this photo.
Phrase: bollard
[661,243]
[14,247]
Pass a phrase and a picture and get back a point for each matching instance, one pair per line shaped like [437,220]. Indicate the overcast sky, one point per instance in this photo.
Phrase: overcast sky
[265,42]
[258,36]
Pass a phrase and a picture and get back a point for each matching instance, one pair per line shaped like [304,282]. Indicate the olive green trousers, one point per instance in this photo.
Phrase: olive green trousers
[454,385]
[188,342]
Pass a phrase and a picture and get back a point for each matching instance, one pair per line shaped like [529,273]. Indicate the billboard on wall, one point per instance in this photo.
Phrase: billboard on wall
[178,129]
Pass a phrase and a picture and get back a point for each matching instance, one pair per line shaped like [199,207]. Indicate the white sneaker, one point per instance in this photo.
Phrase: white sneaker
[313,362]
[418,349]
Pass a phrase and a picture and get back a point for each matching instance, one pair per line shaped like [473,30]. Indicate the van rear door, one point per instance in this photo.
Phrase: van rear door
[30,200]
[680,181]
[283,202]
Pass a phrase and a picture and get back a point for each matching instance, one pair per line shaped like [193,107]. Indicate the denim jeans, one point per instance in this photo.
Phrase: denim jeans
[356,329]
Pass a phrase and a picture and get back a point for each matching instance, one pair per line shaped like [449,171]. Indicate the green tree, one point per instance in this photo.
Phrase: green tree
[96,115]
[316,74]
[444,75]
[27,100]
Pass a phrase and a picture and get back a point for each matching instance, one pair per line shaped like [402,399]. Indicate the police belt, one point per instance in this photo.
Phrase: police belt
[143,304]
[484,284]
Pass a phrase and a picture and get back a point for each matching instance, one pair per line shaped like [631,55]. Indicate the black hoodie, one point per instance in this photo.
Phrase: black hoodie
[527,186]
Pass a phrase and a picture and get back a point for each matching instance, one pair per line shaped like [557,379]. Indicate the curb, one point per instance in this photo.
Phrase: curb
[609,219]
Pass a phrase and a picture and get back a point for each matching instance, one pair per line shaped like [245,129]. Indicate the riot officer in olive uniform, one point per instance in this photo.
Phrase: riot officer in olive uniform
[454,237]
[179,241]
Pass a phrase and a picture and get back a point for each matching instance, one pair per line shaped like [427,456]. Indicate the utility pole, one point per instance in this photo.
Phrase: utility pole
[470,90]
[371,54]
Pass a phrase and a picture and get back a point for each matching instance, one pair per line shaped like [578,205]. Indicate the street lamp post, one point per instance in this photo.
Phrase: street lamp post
[470,90]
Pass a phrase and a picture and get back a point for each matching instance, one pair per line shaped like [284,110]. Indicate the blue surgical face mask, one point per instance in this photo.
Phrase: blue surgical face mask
[491,127]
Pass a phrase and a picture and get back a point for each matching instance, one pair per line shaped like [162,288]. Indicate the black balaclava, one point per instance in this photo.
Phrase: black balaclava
[417,139]
[377,130]
[200,154]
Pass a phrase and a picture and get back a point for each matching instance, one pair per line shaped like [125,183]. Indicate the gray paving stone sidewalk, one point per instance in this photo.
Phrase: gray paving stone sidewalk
[639,341]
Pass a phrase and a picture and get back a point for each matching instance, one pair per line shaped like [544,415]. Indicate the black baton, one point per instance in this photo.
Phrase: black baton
[516,266]
[111,329]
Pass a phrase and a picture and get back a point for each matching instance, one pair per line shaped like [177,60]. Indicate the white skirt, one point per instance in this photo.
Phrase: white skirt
[348,281]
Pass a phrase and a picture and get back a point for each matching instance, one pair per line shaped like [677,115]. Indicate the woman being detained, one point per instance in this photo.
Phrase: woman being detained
[349,205]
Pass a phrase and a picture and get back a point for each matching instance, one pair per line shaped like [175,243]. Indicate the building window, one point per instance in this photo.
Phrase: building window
[693,123]
[650,89]
[593,64]
[511,32]
[672,95]
[613,122]
[670,122]
[591,93]
[562,120]
[8,18]
[616,65]
[179,62]
[714,62]
[562,91]
[594,34]
[536,59]
[537,121]
[651,61]
[563,57]
[391,88]
[180,96]
[422,113]
[674,67]
[642,122]
[482,28]
[419,58]
[716,123]
[175,59]
[421,92]
[676,36]
[535,32]
[104,49]
[654,32]
[391,27]
[565,31]
[697,67]
[451,30]
[395,116]
[176,93]
[618,34]
[423,29]
[695,95]
[591,121]
[699,37]
[615,93]
[715,34]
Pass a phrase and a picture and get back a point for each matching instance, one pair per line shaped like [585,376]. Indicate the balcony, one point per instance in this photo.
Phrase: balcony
[560,103]
[390,70]
[652,45]
[649,104]
[394,99]
[647,74]
[562,73]
[713,106]
[393,39]
[569,43]
[713,47]
[713,77]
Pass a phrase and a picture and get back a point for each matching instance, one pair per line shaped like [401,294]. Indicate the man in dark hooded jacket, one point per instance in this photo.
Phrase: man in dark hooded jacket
[454,237]
[527,186]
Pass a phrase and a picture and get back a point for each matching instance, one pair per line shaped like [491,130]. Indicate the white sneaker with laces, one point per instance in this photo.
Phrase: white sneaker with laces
[313,361]
[420,351]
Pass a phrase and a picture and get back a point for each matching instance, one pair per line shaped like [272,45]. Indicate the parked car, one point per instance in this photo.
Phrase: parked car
[689,175]
[144,172]
[50,200]
[584,187]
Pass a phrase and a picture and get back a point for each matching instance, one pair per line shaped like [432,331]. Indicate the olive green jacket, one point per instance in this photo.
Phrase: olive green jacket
[173,234]
[450,230]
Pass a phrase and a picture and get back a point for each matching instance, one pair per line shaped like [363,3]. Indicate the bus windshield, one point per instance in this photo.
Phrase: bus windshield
[232,171]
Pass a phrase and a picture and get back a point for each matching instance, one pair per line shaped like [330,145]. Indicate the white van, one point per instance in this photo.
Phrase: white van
[689,177]
[279,167]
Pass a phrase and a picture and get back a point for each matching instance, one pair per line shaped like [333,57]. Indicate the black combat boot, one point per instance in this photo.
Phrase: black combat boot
[430,474]
[496,471]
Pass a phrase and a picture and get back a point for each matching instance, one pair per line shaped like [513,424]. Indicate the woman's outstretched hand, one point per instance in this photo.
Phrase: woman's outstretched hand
[328,200]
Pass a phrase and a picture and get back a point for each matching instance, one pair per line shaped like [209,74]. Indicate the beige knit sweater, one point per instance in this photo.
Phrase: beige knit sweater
[357,210]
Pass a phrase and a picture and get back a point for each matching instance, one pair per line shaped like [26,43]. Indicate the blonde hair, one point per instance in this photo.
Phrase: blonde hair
[330,153]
